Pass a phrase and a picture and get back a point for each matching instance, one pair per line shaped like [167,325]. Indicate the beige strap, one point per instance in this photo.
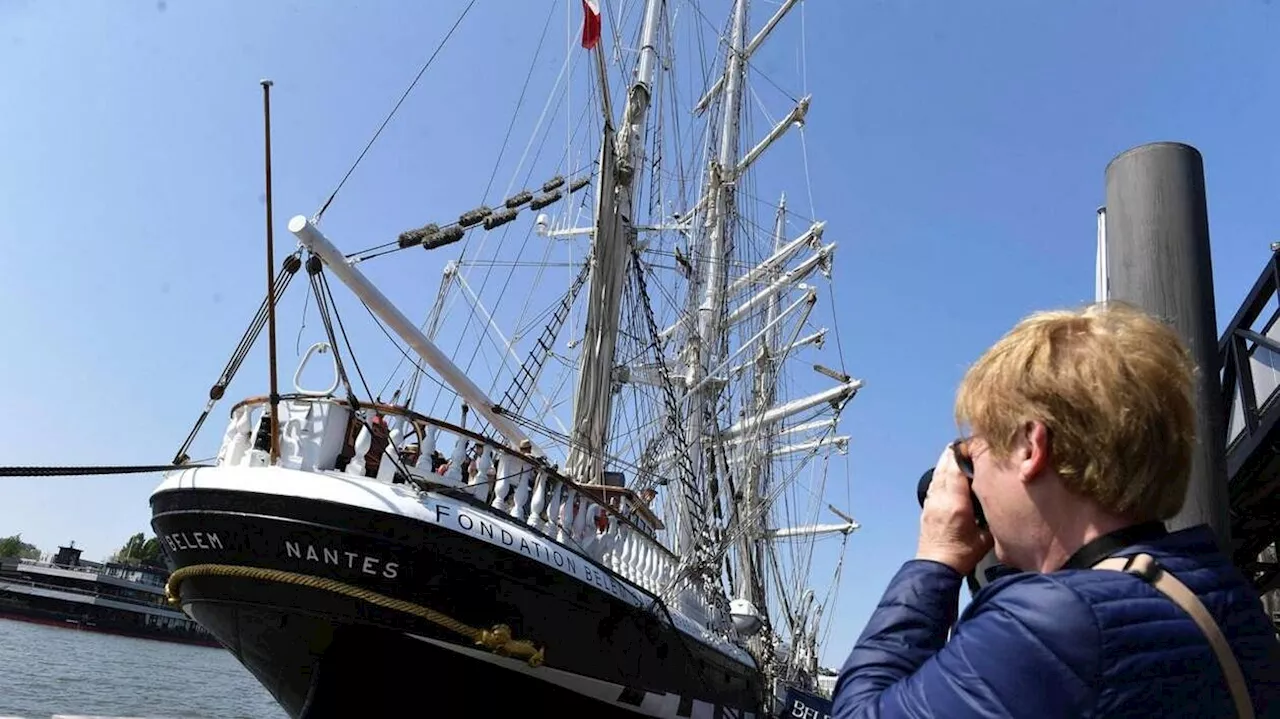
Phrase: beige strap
[1147,569]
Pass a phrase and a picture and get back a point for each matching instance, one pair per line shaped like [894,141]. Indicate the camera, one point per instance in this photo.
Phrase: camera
[927,478]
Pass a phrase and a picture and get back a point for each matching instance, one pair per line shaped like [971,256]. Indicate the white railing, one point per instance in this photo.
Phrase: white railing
[611,525]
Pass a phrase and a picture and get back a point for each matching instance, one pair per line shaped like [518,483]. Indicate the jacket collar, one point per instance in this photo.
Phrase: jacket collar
[1102,547]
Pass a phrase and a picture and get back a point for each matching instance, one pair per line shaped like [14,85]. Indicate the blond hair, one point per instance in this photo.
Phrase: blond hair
[1113,385]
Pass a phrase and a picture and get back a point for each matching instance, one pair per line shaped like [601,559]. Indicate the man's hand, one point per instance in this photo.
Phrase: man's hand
[949,532]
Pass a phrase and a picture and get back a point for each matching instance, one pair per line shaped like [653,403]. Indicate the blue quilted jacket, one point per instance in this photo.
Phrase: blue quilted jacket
[1072,643]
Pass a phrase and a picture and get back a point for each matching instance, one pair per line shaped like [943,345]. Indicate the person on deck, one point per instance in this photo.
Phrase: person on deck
[1082,436]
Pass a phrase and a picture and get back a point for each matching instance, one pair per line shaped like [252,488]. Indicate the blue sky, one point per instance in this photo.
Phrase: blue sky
[956,152]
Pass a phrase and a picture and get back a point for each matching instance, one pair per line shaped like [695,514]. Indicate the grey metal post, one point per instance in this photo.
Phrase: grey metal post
[1157,253]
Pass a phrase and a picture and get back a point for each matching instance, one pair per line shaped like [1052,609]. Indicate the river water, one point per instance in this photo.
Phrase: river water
[47,671]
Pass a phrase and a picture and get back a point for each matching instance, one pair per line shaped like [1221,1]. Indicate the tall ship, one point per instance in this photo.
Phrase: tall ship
[598,477]
[121,598]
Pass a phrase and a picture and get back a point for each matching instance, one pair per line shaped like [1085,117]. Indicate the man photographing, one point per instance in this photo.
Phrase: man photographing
[1081,434]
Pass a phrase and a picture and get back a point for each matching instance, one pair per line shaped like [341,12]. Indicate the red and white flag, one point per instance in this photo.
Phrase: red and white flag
[590,23]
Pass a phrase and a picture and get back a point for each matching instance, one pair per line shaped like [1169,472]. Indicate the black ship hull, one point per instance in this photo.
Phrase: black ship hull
[323,652]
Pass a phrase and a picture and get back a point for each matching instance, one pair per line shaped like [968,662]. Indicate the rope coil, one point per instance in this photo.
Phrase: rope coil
[497,639]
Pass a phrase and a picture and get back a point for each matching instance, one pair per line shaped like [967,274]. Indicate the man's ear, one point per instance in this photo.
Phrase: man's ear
[1033,452]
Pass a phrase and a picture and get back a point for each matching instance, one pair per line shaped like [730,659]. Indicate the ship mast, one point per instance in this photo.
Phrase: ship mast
[707,344]
[751,588]
[622,156]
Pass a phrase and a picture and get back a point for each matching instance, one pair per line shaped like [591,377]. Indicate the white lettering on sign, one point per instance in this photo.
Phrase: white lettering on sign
[807,712]
[185,541]
[372,566]
[468,521]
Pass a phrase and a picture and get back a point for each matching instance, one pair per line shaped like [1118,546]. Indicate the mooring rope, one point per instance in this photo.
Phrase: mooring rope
[497,639]
[92,470]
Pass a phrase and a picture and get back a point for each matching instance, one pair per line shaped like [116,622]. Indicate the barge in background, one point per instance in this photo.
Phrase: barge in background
[110,597]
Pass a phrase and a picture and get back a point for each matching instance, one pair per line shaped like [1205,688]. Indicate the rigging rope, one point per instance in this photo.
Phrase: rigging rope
[391,114]
[484,282]
[565,161]
[519,104]
[733,533]
[324,284]
[419,370]
[315,270]
[288,268]
[325,304]
[689,481]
